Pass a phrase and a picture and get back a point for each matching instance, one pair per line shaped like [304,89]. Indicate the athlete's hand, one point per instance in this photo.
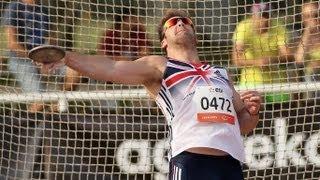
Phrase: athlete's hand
[51,67]
[252,101]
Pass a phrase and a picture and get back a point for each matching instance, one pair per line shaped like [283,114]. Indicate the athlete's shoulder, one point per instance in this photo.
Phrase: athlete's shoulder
[154,60]
[155,66]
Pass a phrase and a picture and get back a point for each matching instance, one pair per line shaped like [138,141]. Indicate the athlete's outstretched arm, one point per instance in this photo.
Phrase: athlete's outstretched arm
[141,71]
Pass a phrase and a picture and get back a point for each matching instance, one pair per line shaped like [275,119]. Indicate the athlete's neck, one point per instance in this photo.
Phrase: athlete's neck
[184,55]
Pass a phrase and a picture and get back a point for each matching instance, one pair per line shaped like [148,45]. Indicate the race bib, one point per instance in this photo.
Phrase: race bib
[213,105]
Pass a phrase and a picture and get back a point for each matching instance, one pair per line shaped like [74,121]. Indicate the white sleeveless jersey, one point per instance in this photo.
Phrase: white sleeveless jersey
[196,100]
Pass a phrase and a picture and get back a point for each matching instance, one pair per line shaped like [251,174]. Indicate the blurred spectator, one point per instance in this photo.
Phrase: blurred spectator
[308,52]
[3,48]
[259,49]
[127,40]
[88,31]
[27,26]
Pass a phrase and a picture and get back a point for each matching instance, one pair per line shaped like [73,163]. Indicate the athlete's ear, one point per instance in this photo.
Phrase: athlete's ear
[164,43]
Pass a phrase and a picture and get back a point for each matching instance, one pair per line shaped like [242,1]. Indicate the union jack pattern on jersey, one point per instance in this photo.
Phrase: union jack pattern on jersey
[180,79]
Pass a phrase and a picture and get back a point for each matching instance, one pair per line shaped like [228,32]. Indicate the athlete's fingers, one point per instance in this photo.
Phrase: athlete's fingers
[253,108]
[252,103]
[248,94]
[50,67]
[251,96]
[255,99]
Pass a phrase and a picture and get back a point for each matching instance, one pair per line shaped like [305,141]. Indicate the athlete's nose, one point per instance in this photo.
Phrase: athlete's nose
[180,22]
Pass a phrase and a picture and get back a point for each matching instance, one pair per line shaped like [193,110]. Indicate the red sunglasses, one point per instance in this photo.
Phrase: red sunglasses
[173,21]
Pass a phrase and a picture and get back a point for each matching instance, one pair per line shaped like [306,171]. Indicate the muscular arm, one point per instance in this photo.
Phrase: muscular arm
[146,71]
[13,44]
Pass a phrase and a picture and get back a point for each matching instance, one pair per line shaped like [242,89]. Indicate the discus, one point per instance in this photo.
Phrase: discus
[46,54]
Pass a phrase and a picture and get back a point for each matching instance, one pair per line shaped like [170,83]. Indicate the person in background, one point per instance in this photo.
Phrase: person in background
[259,50]
[206,116]
[127,39]
[27,25]
[308,52]
[3,53]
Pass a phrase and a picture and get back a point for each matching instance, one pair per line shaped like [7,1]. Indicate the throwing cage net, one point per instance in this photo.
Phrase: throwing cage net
[67,126]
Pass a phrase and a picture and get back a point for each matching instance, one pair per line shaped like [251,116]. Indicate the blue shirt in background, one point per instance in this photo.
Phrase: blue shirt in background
[31,22]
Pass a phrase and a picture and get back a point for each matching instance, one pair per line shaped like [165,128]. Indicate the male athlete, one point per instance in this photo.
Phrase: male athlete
[206,115]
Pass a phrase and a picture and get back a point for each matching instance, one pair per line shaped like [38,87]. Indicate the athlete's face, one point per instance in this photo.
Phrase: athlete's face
[177,29]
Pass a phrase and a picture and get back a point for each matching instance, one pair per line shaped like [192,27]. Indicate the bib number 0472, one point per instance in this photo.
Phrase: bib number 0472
[216,103]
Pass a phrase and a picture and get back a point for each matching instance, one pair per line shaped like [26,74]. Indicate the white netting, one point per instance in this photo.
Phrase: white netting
[106,131]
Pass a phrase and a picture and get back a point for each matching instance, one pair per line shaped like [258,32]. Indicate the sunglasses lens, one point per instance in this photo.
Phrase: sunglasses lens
[186,21]
[173,21]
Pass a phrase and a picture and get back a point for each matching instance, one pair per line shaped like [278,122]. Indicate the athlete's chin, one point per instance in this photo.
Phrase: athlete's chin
[186,38]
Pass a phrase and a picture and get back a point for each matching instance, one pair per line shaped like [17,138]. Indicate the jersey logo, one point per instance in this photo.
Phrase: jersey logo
[217,72]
